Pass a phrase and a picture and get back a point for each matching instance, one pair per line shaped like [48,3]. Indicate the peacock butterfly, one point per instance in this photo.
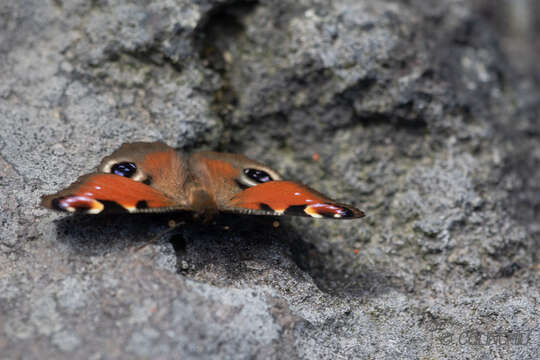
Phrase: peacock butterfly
[153,177]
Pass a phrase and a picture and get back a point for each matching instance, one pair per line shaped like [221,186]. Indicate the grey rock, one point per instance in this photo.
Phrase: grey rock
[412,112]
[65,340]
[44,316]
[141,343]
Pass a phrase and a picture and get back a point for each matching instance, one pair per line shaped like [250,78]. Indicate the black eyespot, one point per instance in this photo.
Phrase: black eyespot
[126,169]
[258,175]
[147,181]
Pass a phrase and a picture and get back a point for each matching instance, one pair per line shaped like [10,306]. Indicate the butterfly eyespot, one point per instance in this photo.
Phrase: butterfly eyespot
[257,175]
[253,176]
[125,169]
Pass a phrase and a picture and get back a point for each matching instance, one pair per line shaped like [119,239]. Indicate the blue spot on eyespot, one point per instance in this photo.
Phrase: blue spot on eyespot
[126,169]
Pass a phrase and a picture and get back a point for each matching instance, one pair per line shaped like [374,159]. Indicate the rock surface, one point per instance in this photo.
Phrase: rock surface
[413,112]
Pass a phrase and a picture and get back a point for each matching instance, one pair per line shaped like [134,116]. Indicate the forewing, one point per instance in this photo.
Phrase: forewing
[290,198]
[154,183]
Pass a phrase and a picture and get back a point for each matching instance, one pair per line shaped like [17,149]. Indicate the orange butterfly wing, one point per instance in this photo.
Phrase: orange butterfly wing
[95,193]
[289,198]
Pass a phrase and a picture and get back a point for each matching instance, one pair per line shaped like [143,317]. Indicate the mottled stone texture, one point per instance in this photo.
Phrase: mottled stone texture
[416,117]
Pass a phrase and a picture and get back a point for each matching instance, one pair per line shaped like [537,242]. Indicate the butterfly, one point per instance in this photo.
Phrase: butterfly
[144,177]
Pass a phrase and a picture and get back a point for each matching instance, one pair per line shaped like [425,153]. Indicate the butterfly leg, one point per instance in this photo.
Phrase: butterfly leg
[173,225]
